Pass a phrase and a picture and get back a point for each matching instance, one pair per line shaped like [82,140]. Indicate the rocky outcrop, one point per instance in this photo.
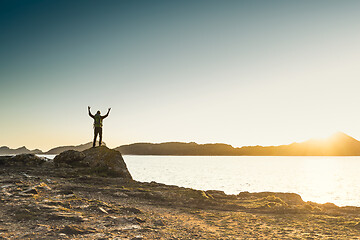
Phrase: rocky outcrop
[291,198]
[22,160]
[44,203]
[106,160]
[100,161]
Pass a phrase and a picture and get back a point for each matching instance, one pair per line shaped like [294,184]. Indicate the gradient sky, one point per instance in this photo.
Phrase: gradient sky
[236,72]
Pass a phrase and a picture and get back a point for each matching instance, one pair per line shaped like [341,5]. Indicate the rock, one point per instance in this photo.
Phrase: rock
[30,191]
[66,192]
[101,161]
[103,210]
[130,227]
[137,238]
[73,230]
[67,216]
[159,223]
[22,159]
[4,160]
[29,159]
[158,196]
[330,206]
[105,161]
[70,157]
[120,194]
[131,210]
[357,225]
[139,220]
[216,193]
[289,198]
[43,186]
[27,175]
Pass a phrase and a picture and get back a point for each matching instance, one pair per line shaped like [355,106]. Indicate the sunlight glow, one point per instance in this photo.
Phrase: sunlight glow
[320,178]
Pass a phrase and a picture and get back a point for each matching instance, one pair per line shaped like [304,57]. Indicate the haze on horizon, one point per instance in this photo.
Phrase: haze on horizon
[235,72]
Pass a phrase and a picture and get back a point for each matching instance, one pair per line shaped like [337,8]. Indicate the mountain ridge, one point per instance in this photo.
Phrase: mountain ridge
[6,150]
[338,144]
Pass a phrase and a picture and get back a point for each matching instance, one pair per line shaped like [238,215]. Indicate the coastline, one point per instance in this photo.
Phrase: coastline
[57,203]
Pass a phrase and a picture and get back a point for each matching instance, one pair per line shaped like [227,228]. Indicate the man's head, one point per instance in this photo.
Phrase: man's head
[98,112]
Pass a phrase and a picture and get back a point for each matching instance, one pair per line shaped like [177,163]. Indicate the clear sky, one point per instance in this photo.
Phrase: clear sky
[236,72]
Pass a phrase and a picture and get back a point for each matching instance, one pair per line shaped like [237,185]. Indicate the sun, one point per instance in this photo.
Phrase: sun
[322,135]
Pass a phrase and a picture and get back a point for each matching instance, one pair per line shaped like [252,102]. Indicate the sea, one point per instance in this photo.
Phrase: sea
[316,179]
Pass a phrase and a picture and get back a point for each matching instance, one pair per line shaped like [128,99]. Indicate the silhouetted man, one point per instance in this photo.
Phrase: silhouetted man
[98,124]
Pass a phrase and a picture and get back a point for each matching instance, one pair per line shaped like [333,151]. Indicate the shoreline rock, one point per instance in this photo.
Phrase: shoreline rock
[27,159]
[99,161]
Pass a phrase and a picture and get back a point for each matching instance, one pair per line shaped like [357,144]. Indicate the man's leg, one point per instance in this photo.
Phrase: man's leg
[100,136]
[95,136]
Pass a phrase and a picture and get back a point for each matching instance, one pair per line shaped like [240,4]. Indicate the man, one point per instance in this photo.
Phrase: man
[98,124]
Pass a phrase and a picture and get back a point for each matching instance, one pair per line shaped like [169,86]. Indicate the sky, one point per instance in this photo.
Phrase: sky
[237,72]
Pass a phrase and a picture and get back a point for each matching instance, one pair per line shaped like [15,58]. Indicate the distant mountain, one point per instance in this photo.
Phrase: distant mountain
[80,148]
[4,150]
[176,148]
[338,144]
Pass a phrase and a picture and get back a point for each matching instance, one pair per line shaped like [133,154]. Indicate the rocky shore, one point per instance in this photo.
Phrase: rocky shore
[91,195]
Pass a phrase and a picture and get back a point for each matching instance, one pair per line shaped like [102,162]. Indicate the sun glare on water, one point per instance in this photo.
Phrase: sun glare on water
[320,178]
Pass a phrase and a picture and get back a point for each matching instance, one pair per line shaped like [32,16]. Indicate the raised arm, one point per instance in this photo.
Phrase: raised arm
[107,114]
[90,112]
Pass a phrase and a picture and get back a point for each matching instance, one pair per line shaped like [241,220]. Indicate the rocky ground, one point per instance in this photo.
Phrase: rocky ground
[44,201]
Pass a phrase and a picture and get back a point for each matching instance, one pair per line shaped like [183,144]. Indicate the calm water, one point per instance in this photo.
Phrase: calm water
[317,179]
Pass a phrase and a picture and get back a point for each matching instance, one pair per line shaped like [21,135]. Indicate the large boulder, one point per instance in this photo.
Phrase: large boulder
[22,160]
[70,157]
[100,161]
